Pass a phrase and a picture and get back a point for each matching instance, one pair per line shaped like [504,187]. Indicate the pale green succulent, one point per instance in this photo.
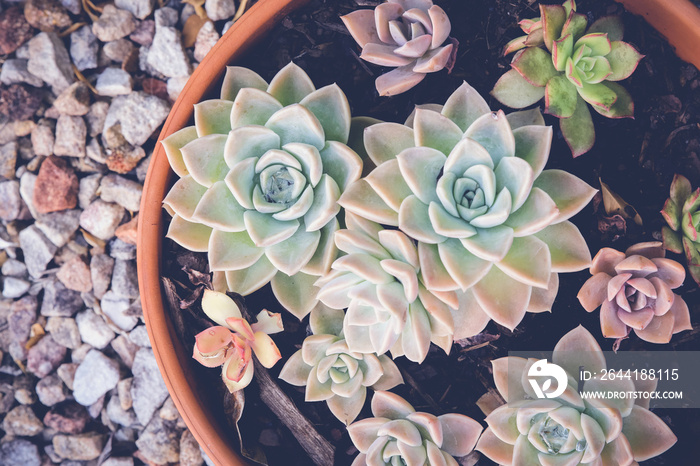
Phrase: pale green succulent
[398,435]
[388,308]
[260,173]
[470,186]
[570,430]
[332,372]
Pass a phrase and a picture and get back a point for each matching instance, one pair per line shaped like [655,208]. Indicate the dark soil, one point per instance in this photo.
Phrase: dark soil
[636,158]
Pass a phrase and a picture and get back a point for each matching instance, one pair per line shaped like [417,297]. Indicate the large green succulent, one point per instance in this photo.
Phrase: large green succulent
[577,67]
[469,186]
[261,172]
[682,214]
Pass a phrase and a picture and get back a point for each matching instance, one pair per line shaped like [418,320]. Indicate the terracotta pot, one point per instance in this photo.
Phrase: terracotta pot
[173,360]
[678,20]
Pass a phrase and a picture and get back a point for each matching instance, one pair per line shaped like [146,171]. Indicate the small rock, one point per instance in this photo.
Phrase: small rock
[42,140]
[160,441]
[70,136]
[95,409]
[118,461]
[75,274]
[166,17]
[14,30]
[24,390]
[60,226]
[10,200]
[139,114]
[74,101]
[95,118]
[118,50]
[113,82]
[206,39]
[13,287]
[113,24]
[118,415]
[74,6]
[45,356]
[227,26]
[101,266]
[124,393]
[46,15]
[128,232]
[49,60]
[101,218]
[14,268]
[19,102]
[189,450]
[127,193]
[93,329]
[7,397]
[169,411]
[19,452]
[96,375]
[23,422]
[81,447]
[8,159]
[67,373]
[56,186]
[26,191]
[94,151]
[64,331]
[22,316]
[116,307]
[88,189]
[67,418]
[38,250]
[155,87]
[148,389]
[143,34]
[139,8]
[167,55]
[123,159]
[15,71]
[220,9]
[59,301]
[139,336]
[118,249]
[125,349]
[51,390]
[124,280]
[84,48]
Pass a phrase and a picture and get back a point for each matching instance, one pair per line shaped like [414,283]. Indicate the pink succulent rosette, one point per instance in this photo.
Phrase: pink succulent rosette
[398,435]
[569,430]
[233,342]
[634,291]
[409,35]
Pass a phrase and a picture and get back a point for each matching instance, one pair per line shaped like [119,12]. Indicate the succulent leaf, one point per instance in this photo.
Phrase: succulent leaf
[513,90]
[578,129]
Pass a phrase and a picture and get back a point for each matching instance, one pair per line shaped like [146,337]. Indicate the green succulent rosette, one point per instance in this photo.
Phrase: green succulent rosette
[261,172]
[682,214]
[577,67]
[470,187]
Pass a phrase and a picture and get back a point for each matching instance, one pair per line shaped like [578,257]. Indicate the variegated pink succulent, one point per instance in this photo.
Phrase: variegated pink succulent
[634,291]
[398,435]
[407,34]
[334,373]
[233,342]
[569,430]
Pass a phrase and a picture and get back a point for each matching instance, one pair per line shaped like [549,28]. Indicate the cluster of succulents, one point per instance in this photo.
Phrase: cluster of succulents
[683,218]
[568,429]
[409,35]
[233,341]
[457,208]
[576,67]
[261,172]
[634,291]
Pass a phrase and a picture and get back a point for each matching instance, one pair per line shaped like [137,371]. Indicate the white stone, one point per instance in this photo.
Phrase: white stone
[93,329]
[71,133]
[84,48]
[123,191]
[113,82]
[206,39]
[166,54]
[139,8]
[220,9]
[14,70]
[101,218]
[96,375]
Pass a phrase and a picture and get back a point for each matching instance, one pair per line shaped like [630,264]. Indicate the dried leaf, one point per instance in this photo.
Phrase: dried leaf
[74,27]
[198,278]
[615,205]
[198,8]
[192,298]
[615,224]
[37,333]
[241,9]
[92,10]
[191,28]
[92,240]
[82,78]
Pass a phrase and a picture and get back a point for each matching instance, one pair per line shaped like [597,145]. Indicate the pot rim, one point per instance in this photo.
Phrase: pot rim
[167,349]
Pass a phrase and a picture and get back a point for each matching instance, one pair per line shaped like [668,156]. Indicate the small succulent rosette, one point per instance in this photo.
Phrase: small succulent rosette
[576,67]
[409,35]
[233,341]
[569,430]
[634,290]
[470,187]
[388,308]
[682,214]
[260,173]
[397,435]
[332,372]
